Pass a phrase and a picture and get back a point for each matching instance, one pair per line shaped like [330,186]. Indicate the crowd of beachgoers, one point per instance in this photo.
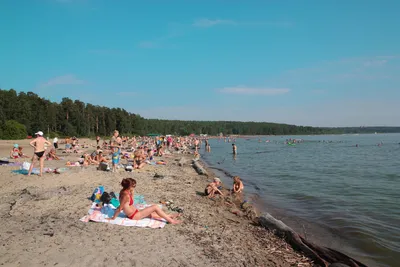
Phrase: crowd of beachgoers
[129,153]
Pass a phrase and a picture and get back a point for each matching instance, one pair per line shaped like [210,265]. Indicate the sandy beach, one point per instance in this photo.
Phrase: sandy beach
[41,226]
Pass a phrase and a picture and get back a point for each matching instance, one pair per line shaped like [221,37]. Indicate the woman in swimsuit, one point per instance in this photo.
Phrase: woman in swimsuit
[126,197]
[39,149]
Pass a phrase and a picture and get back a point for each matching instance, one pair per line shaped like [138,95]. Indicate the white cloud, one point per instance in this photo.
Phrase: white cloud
[212,22]
[68,79]
[254,91]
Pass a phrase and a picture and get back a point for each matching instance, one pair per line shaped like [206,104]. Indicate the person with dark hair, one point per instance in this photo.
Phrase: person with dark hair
[126,197]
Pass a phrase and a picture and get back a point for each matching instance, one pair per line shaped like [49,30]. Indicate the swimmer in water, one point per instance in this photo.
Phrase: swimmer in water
[234,149]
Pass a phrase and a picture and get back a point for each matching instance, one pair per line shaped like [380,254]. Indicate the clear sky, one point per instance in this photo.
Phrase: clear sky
[319,63]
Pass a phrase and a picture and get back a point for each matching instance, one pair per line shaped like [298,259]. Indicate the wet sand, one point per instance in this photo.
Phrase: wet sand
[41,227]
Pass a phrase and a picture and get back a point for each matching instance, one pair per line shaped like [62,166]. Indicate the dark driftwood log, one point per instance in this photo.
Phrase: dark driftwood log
[199,169]
[321,255]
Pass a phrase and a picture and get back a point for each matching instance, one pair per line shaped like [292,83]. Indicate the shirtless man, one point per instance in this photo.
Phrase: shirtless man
[38,145]
[234,149]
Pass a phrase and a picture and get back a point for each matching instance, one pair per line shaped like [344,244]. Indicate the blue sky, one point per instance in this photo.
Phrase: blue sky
[319,63]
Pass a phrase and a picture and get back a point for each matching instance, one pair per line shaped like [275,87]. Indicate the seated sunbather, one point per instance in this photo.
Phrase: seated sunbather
[52,155]
[87,160]
[213,189]
[14,153]
[160,150]
[150,154]
[21,154]
[126,197]
[139,159]
[237,185]
[100,158]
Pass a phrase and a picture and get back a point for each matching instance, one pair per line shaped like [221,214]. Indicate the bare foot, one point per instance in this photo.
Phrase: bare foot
[175,215]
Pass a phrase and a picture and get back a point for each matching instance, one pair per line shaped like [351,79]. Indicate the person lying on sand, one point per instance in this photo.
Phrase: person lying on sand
[126,197]
[237,185]
[212,188]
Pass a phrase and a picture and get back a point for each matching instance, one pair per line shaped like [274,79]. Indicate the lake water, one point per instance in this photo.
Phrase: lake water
[336,194]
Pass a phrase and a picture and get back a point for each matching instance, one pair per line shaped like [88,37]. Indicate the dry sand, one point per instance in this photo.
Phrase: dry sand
[41,227]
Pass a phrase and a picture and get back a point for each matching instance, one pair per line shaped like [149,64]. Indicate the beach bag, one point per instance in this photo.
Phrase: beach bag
[129,168]
[105,198]
[104,167]
[115,202]
[97,193]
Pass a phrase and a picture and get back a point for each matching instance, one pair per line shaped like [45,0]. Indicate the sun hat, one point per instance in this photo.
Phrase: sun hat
[216,179]
[39,133]
[16,145]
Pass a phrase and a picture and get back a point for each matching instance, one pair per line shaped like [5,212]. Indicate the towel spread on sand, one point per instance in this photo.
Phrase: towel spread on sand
[37,171]
[98,214]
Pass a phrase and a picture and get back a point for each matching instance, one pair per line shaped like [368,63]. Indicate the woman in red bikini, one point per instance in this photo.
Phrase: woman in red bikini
[126,204]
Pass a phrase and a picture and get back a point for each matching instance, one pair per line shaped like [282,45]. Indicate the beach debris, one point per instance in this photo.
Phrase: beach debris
[320,255]
[237,212]
[158,176]
[199,169]
[249,210]
[170,205]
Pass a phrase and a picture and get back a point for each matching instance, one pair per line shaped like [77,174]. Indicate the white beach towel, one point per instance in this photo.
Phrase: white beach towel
[97,214]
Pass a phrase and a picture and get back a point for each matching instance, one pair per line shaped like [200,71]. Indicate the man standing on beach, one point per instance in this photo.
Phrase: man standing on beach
[38,145]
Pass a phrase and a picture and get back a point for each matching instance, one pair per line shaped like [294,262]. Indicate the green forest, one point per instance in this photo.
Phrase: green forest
[22,114]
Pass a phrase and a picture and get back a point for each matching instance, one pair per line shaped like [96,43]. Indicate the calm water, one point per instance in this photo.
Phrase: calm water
[338,195]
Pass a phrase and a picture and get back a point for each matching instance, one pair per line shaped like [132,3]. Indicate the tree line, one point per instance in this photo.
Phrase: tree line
[22,114]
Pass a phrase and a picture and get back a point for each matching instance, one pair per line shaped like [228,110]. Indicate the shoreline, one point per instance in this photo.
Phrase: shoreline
[310,230]
[41,224]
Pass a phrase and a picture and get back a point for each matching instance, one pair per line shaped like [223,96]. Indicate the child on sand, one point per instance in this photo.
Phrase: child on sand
[14,153]
[212,188]
[115,158]
[237,185]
